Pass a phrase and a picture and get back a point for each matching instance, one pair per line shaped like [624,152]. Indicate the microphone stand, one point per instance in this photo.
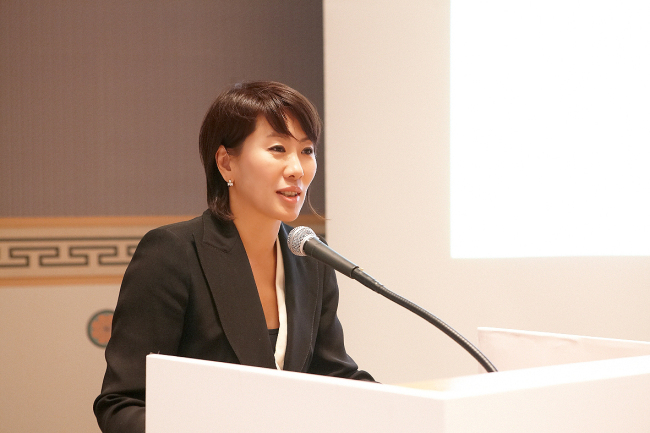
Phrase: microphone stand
[303,241]
[374,285]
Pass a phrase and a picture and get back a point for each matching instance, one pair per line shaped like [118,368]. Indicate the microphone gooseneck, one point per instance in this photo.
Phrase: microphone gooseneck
[303,241]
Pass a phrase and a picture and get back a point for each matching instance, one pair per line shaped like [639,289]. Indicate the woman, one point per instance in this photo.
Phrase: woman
[224,286]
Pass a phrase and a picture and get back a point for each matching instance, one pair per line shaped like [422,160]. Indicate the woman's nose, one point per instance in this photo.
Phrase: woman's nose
[294,167]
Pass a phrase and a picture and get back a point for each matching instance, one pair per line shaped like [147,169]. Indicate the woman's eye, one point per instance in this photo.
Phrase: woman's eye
[308,151]
[277,149]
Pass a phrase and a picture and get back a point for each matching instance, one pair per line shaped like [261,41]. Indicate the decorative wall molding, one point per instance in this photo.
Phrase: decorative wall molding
[45,253]
[73,249]
[79,250]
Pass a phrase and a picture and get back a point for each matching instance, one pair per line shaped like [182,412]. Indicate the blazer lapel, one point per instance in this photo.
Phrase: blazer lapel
[230,278]
[301,297]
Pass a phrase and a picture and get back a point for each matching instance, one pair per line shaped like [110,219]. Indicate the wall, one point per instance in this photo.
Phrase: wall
[101,102]
[51,372]
[100,109]
[387,178]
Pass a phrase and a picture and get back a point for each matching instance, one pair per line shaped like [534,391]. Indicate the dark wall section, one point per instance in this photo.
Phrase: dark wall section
[101,102]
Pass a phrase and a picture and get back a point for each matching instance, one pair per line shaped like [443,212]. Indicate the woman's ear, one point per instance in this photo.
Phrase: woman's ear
[223,162]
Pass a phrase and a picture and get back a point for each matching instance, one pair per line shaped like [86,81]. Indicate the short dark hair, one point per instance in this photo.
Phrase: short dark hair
[233,117]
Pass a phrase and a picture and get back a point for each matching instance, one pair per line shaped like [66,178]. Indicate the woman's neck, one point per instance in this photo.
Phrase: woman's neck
[257,236]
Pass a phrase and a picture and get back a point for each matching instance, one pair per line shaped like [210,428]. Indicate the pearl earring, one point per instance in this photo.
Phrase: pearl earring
[230,183]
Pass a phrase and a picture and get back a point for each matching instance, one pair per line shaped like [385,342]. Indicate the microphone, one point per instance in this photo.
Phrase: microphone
[303,241]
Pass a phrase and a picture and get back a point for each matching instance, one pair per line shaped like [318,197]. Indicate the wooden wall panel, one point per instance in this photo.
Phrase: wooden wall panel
[101,102]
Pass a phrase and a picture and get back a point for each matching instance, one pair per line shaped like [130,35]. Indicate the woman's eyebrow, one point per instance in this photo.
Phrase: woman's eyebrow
[279,135]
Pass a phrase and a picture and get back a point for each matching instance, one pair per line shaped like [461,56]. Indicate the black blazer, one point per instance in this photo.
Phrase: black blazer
[189,291]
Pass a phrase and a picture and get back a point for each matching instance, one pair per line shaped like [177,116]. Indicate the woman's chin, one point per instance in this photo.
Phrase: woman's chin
[289,219]
[289,216]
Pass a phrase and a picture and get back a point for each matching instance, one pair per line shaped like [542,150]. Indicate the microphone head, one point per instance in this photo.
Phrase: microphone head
[297,238]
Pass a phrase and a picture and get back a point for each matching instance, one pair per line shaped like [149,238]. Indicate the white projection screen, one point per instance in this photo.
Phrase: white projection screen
[550,128]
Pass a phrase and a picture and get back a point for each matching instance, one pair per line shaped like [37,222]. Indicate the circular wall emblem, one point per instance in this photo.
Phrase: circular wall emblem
[99,327]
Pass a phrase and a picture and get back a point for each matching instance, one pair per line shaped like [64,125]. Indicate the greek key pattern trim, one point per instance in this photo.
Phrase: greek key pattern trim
[53,252]
[44,257]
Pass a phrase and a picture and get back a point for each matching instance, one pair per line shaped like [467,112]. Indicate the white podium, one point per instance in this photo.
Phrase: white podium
[511,350]
[187,395]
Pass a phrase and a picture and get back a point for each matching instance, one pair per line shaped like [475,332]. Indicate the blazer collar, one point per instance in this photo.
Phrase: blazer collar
[301,297]
[230,278]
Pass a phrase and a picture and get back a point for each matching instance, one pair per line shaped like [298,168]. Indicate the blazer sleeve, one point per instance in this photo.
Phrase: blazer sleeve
[148,319]
[330,357]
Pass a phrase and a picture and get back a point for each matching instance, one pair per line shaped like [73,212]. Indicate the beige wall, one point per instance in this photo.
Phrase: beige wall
[51,372]
[387,123]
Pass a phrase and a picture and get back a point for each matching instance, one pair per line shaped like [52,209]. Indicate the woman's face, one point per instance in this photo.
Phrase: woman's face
[272,173]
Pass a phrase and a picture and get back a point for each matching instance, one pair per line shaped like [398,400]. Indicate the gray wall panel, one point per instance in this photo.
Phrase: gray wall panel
[101,102]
